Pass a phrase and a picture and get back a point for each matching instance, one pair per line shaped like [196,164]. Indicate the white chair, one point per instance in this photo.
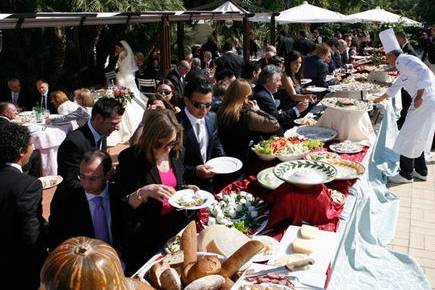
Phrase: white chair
[146,84]
[110,78]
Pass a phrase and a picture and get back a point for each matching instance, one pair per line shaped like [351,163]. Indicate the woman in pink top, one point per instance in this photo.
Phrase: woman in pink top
[148,174]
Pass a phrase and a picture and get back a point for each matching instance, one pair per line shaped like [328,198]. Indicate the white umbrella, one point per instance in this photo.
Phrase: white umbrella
[229,7]
[382,16]
[307,13]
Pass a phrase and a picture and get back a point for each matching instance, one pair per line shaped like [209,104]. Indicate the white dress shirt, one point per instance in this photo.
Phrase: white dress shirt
[194,122]
[17,166]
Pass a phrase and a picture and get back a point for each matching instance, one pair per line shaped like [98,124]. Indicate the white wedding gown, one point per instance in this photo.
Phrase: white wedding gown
[134,110]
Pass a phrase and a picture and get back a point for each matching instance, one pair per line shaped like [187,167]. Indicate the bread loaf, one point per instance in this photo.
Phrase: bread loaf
[154,273]
[228,284]
[308,232]
[189,246]
[240,257]
[211,282]
[170,280]
[206,265]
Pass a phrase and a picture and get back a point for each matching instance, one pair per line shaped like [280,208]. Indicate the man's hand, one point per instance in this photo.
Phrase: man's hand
[418,101]
[203,171]
[377,100]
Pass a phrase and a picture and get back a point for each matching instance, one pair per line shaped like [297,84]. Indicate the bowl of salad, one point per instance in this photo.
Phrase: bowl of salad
[264,150]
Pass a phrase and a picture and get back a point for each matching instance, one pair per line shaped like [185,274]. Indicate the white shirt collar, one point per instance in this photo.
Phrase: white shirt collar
[6,118]
[193,120]
[97,136]
[104,194]
[17,166]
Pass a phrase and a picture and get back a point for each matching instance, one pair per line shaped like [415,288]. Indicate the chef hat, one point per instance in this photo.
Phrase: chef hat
[389,40]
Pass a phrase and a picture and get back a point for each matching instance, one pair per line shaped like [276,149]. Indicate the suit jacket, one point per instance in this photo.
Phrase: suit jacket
[70,153]
[148,229]
[304,45]
[175,78]
[3,122]
[231,61]
[22,227]
[316,69]
[192,153]
[25,101]
[267,103]
[285,45]
[70,216]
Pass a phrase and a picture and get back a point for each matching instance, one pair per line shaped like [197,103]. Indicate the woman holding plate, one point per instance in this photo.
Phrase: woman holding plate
[148,174]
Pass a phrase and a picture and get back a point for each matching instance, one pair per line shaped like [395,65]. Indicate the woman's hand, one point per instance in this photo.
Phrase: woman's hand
[312,98]
[192,186]
[252,104]
[156,191]
[302,106]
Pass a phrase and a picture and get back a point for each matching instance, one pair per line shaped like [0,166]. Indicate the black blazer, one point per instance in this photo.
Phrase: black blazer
[50,106]
[24,100]
[175,79]
[192,154]
[70,153]
[148,229]
[316,69]
[231,61]
[267,104]
[70,217]
[22,229]
[304,45]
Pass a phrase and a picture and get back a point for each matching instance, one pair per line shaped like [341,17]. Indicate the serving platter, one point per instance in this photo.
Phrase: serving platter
[190,199]
[346,169]
[346,104]
[346,147]
[268,179]
[50,181]
[305,172]
[224,165]
[314,132]
[321,156]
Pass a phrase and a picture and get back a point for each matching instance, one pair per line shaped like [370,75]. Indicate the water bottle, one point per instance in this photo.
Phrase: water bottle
[38,113]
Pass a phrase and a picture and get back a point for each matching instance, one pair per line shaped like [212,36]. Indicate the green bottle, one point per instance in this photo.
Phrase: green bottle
[38,113]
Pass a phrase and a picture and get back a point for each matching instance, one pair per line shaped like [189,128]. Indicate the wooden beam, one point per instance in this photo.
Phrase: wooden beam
[180,40]
[272,29]
[165,47]
[246,39]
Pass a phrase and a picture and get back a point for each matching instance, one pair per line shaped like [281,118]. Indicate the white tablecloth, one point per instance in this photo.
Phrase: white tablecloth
[47,141]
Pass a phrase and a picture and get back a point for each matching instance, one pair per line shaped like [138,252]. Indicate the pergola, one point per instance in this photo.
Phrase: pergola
[56,19]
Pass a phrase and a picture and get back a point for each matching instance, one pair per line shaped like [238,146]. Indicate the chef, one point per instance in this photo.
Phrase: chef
[416,78]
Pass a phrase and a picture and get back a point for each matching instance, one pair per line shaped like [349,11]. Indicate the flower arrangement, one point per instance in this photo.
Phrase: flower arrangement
[121,94]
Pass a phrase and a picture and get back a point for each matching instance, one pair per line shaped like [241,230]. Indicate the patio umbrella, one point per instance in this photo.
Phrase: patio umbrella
[382,16]
[307,13]
[229,7]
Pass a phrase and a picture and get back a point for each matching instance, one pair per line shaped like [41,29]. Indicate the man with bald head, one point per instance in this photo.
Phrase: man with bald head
[178,77]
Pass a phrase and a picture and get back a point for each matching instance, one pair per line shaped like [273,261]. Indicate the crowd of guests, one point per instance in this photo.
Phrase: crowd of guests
[213,106]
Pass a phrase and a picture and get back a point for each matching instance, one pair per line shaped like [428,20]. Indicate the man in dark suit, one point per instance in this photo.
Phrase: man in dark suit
[8,112]
[344,51]
[106,116]
[92,210]
[315,66]
[21,222]
[14,94]
[230,60]
[285,44]
[269,82]
[43,97]
[303,44]
[178,76]
[201,142]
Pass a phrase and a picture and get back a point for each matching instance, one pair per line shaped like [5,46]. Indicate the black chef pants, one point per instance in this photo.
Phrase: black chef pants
[407,166]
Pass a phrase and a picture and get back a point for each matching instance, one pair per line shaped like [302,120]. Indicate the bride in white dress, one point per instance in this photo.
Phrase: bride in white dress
[125,77]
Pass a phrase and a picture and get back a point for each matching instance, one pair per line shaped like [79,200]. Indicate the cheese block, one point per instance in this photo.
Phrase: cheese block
[308,232]
[221,240]
[304,246]
[286,259]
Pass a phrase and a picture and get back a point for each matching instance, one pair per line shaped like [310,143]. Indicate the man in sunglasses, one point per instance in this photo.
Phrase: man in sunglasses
[201,142]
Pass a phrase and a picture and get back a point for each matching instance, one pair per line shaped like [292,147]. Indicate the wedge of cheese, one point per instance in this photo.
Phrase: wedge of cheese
[304,246]
[221,240]
[308,232]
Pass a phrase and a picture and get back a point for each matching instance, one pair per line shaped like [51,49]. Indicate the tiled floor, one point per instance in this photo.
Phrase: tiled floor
[415,232]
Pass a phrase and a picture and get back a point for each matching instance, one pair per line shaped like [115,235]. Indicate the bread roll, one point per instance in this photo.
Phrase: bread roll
[211,282]
[206,265]
[228,284]
[309,232]
[154,273]
[189,246]
[170,280]
[240,257]
[304,246]
[174,259]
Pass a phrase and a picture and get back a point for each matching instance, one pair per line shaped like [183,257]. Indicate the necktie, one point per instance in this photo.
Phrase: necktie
[15,98]
[100,221]
[44,102]
[201,139]
[99,144]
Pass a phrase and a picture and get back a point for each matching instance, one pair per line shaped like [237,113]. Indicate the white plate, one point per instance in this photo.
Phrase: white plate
[224,165]
[346,169]
[268,179]
[314,132]
[334,103]
[269,242]
[316,89]
[50,181]
[306,81]
[346,147]
[54,116]
[189,194]
[305,172]
[360,56]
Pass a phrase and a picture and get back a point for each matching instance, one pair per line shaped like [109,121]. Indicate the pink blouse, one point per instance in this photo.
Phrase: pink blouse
[168,178]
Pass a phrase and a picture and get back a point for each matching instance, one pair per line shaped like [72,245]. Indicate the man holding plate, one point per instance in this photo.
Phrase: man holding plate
[416,78]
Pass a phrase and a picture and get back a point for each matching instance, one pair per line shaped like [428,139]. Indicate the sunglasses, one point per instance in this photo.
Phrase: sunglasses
[201,105]
[164,92]
[170,144]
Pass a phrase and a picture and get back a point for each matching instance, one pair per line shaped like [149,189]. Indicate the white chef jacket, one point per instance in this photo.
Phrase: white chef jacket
[413,76]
